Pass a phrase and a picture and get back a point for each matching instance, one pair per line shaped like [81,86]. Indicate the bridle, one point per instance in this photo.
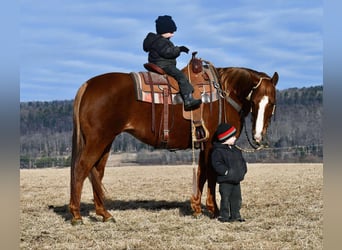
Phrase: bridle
[238,107]
[255,87]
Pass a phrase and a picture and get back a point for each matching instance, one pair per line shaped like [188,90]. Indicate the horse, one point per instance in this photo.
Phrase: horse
[106,105]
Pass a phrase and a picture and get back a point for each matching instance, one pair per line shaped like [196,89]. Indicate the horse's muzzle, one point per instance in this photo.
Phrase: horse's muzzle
[261,141]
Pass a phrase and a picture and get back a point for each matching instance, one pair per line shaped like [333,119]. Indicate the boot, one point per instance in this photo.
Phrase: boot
[190,103]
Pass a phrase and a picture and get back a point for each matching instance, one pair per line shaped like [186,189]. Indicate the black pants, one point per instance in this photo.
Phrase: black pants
[184,85]
[230,200]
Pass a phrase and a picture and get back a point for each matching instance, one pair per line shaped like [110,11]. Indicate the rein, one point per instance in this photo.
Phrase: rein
[255,148]
[249,150]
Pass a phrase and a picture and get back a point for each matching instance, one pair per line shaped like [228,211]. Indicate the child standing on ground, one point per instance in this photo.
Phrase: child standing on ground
[230,166]
[163,53]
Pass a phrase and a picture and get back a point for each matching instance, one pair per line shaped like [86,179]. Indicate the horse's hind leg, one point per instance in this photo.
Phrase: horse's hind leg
[79,172]
[98,197]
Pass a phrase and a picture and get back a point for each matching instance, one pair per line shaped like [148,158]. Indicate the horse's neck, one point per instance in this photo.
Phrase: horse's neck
[242,82]
[241,90]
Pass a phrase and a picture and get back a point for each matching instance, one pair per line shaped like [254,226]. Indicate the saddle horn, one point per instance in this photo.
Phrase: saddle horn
[194,54]
[197,66]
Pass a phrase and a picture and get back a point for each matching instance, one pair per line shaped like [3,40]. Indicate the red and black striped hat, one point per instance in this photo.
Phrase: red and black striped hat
[225,131]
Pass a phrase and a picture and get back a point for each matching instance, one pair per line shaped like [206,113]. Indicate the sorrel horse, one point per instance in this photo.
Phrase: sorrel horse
[106,106]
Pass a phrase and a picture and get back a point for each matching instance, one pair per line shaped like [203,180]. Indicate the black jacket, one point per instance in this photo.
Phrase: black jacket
[161,50]
[228,163]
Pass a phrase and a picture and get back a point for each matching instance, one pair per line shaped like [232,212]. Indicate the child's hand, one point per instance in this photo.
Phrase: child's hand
[184,49]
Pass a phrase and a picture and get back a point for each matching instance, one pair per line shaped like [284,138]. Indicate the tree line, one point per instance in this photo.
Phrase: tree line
[295,133]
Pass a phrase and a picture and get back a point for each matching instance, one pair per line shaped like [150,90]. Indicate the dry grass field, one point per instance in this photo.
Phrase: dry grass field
[282,205]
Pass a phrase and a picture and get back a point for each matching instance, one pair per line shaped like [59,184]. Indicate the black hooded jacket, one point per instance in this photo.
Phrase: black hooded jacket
[228,163]
[162,51]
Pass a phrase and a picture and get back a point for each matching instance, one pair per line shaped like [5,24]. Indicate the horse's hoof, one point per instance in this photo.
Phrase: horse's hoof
[109,219]
[76,222]
[197,215]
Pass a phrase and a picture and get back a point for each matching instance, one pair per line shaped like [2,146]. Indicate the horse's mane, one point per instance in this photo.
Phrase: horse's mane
[266,88]
[225,71]
[261,74]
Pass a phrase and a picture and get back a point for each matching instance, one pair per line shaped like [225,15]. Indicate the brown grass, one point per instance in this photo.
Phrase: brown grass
[282,204]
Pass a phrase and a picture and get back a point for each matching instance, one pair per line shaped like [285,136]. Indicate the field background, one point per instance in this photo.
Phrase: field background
[282,205]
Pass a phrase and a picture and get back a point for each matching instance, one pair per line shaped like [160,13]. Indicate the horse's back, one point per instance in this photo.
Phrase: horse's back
[108,90]
[106,98]
[108,83]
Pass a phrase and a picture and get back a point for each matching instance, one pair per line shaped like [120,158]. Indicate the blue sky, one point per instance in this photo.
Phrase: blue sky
[64,43]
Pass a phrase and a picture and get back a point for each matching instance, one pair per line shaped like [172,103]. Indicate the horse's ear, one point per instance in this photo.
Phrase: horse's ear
[275,78]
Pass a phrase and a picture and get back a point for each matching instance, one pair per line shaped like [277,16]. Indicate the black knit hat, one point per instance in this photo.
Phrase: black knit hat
[165,24]
[225,131]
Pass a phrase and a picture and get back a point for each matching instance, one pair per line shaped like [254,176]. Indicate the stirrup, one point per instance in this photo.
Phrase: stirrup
[200,132]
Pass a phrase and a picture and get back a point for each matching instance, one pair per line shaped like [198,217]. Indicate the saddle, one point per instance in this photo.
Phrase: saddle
[156,87]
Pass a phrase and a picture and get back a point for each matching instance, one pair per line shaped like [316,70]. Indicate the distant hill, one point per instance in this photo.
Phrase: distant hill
[295,133]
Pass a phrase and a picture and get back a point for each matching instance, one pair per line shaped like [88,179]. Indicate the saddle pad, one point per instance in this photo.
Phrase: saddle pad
[154,92]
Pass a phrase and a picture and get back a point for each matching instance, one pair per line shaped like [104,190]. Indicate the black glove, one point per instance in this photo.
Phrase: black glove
[184,49]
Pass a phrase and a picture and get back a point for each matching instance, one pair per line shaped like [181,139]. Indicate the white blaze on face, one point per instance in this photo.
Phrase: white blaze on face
[259,124]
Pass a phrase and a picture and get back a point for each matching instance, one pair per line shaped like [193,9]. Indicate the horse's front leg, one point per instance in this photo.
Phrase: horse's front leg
[200,181]
[205,173]
[196,198]
[211,193]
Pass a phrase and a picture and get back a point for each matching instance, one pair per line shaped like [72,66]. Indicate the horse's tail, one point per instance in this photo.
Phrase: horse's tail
[78,145]
[77,136]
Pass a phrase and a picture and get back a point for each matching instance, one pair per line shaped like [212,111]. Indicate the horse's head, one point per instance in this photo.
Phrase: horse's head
[263,103]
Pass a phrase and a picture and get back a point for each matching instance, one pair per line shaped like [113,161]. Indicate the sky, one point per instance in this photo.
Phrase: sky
[64,43]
